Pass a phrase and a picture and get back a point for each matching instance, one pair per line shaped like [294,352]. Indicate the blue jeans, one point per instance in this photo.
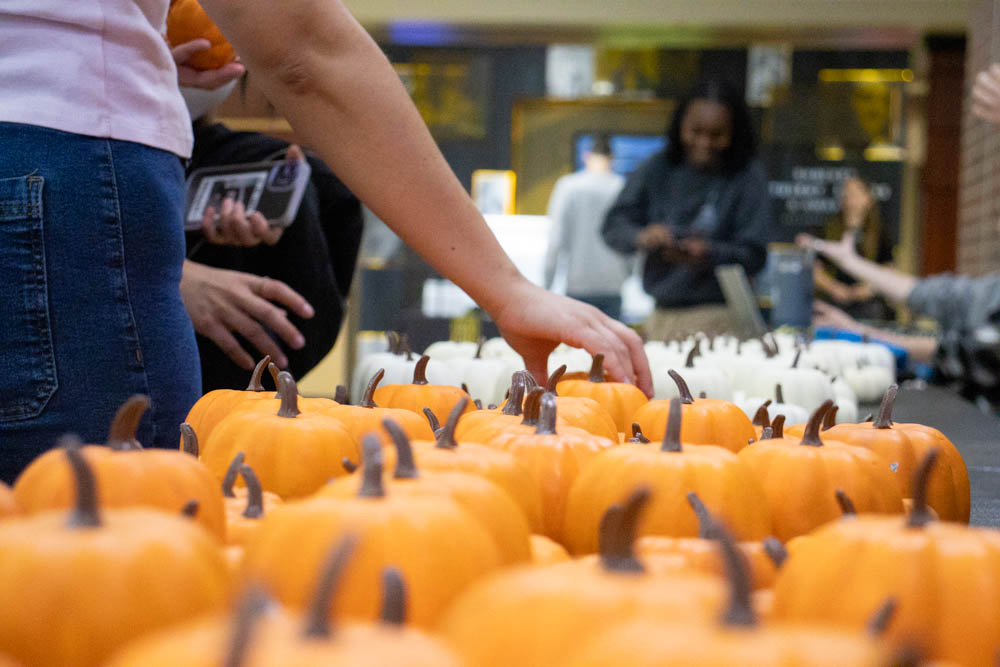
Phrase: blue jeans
[91,249]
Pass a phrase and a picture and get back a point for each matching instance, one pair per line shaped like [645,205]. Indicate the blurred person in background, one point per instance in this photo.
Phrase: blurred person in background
[858,218]
[579,202]
[700,203]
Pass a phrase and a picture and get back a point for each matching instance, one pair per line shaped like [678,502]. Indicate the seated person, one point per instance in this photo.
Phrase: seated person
[859,217]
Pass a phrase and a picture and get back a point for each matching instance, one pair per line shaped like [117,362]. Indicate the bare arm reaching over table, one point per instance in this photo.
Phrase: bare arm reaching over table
[326,75]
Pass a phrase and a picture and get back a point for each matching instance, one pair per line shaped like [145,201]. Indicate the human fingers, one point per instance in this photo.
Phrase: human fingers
[260,307]
[224,339]
[232,224]
[261,230]
[250,321]
[624,355]
[210,228]
[209,79]
[243,228]
[294,152]
[182,52]
[804,241]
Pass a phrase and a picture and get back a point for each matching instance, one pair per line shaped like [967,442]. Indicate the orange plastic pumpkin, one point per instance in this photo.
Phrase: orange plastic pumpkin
[707,421]
[582,411]
[76,585]
[446,454]
[904,446]
[419,394]
[553,459]
[261,635]
[546,611]
[945,578]
[293,453]
[436,544]
[670,471]
[546,551]
[620,399]
[127,474]
[186,20]
[366,416]
[488,503]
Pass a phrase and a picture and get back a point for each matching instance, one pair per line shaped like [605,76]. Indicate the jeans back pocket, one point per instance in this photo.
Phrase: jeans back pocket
[27,359]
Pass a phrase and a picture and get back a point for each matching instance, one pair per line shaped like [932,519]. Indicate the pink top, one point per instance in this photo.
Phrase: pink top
[99,68]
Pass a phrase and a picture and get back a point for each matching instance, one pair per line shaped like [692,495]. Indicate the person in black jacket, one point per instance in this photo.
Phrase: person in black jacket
[700,203]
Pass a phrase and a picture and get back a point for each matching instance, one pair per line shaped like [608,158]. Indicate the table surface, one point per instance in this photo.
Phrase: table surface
[975,434]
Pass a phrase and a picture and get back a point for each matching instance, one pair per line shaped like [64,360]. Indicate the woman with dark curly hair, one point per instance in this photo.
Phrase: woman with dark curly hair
[699,203]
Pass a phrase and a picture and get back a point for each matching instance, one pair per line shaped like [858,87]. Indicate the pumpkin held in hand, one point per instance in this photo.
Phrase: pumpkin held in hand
[186,21]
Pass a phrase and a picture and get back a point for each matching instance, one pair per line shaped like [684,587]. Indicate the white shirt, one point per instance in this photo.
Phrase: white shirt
[93,67]
[577,208]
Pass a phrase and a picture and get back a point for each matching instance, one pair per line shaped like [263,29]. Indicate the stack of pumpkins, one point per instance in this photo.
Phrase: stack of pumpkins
[575,523]
[796,375]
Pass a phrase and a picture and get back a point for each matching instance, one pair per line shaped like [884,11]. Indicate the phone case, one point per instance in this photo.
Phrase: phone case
[274,188]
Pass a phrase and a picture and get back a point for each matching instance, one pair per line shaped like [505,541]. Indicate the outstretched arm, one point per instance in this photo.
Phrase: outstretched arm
[894,284]
[326,75]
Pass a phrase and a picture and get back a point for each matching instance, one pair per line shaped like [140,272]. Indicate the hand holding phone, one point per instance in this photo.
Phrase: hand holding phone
[229,196]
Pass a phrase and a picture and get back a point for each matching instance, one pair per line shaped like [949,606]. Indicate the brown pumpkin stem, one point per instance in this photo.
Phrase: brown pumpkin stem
[125,425]
[446,437]
[229,479]
[846,504]
[779,393]
[869,418]
[350,466]
[597,368]
[255,494]
[465,388]
[288,392]
[672,436]
[392,338]
[341,396]
[532,407]
[273,369]
[557,374]
[884,419]
[190,509]
[478,403]
[761,418]
[682,386]
[702,394]
[368,398]
[919,515]
[318,625]
[479,347]
[830,418]
[810,437]
[189,440]
[695,351]
[766,433]
[778,427]
[515,397]
[795,361]
[432,419]
[637,435]
[258,373]
[617,531]
[406,467]
[404,347]
[393,597]
[371,468]
[86,510]
[420,370]
[546,415]
[775,551]
[705,523]
[740,610]
[249,613]
[878,624]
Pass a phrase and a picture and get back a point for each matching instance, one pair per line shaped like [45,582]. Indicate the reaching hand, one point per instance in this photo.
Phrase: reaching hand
[986,94]
[536,320]
[206,79]
[837,251]
[222,302]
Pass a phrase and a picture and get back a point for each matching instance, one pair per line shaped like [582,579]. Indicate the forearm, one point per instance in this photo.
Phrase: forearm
[882,279]
[324,73]
[919,349]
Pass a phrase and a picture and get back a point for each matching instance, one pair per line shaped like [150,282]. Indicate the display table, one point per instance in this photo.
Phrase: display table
[976,435]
